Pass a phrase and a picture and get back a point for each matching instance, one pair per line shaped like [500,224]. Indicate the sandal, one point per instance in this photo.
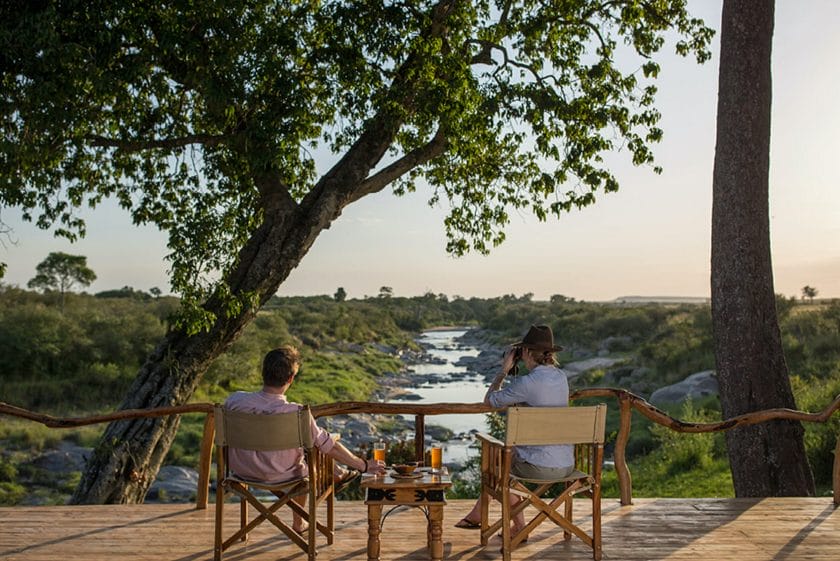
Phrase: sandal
[466,524]
[344,482]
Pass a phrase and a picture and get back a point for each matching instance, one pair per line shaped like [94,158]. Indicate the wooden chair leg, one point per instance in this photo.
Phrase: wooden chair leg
[331,518]
[313,524]
[567,535]
[506,526]
[484,500]
[220,503]
[596,522]
[243,516]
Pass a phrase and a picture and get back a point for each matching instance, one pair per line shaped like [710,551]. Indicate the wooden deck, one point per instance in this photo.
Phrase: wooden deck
[651,529]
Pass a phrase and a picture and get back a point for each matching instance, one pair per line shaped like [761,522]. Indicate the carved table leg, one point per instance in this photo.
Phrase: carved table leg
[436,532]
[374,529]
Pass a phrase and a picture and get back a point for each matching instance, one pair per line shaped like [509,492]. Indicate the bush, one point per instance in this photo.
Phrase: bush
[681,452]
[11,494]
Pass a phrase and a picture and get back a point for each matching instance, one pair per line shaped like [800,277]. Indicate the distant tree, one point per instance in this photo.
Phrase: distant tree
[2,270]
[340,294]
[809,292]
[386,292]
[124,292]
[560,299]
[61,272]
[155,291]
[767,459]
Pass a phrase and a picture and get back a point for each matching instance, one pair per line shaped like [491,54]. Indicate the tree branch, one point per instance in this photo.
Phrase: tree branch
[348,178]
[419,156]
[138,145]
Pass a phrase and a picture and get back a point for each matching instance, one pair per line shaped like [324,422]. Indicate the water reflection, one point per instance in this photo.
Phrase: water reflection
[451,384]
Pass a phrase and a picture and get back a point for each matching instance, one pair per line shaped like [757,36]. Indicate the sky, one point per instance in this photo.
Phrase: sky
[652,238]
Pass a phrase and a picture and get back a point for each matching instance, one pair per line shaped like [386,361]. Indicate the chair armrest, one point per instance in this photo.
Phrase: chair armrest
[491,440]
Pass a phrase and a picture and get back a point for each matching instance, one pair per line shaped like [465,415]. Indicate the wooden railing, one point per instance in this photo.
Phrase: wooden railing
[627,402]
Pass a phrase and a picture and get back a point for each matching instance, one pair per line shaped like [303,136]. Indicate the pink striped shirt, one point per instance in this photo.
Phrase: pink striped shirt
[274,466]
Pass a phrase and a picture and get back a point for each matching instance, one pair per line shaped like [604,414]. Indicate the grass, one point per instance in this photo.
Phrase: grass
[652,478]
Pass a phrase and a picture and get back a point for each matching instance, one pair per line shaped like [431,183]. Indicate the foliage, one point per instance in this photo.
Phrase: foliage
[682,464]
[820,438]
[200,118]
[679,452]
[81,359]
[681,345]
[650,479]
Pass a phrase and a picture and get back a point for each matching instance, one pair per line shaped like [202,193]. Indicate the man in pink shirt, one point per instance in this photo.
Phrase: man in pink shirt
[279,369]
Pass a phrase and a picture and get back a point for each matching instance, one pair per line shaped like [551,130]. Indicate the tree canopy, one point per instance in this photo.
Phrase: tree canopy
[201,118]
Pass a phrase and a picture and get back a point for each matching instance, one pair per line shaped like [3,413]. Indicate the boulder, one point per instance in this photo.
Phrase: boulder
[66,458]
[174,484]
[697,386]
[616,344]
[574,369]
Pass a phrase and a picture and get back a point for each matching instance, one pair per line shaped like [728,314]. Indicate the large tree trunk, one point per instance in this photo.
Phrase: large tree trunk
[767,459]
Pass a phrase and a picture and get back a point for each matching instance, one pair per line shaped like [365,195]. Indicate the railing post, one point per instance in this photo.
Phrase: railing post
[625,482]
[205,459]
[419,437]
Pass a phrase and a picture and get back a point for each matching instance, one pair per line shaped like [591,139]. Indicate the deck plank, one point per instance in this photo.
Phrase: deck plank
[775,529]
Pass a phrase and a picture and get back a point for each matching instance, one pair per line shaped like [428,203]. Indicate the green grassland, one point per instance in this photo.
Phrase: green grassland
[81,361]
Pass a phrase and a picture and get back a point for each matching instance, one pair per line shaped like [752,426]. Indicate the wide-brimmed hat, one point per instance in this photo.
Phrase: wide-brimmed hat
[539,338]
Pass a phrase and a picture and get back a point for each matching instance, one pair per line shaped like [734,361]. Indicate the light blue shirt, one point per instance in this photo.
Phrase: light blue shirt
[544,386]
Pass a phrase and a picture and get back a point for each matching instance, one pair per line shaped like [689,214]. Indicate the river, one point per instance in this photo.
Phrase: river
[450,384]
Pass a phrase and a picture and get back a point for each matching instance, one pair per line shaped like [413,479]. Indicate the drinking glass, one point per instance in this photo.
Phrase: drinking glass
[379,451]
[436,457]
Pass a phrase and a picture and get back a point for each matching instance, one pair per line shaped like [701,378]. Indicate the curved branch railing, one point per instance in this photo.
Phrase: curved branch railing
[627,402]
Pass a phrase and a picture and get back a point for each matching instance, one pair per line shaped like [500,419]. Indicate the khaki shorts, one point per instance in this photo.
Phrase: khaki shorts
[524,470]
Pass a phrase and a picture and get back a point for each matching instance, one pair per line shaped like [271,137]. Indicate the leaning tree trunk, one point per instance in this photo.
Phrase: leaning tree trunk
[130,453]
[767,459]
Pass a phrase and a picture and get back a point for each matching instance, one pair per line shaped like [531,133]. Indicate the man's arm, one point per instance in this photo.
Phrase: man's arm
[507,364]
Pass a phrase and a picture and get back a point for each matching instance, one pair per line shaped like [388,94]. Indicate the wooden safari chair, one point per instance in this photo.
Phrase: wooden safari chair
[535,426]
[272,432]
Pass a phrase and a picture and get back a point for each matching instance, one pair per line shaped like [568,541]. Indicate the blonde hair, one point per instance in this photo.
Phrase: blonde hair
[542,357]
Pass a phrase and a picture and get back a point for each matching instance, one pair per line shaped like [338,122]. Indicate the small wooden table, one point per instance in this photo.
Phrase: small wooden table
[427,492]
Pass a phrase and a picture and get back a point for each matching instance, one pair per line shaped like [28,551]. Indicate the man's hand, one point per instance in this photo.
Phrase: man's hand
[508,361]
[376,467]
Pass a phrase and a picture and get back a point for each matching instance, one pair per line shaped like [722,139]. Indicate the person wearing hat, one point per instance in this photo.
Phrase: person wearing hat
[545,385]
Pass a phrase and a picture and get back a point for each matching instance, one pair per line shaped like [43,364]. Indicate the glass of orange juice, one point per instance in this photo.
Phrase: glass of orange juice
[379,451]
[436,457]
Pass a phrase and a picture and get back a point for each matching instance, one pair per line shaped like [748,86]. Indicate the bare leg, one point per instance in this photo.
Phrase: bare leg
[475,514]
[297,522]
[519,519]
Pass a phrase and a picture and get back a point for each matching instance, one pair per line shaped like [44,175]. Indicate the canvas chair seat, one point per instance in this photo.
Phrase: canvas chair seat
[281,431]
[537,426]
[269,485]
[575,474]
